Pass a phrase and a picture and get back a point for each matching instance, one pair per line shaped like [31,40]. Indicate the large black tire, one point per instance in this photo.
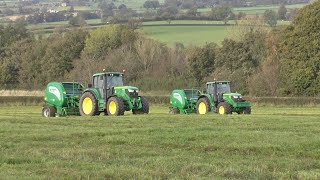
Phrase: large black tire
[115,106]
[224,108]
[88,105]
[247,110]
[49,111]
[144,109]
[203,106]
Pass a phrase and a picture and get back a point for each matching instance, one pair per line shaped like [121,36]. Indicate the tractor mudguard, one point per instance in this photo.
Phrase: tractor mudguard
[94,91]
[212,105]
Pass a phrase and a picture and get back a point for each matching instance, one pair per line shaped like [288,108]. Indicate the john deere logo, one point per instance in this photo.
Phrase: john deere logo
[55,91]
[178,97]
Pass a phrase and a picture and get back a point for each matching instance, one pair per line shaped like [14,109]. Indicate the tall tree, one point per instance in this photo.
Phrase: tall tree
[104,39]
[282,12]
[201,61]
[300,64]
[270,17]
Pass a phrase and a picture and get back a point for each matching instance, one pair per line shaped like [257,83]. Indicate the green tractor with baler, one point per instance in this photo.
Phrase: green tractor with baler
[106,94]
[216,98]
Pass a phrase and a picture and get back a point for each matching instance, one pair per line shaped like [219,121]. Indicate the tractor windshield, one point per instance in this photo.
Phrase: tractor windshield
[114,81]
[223,88]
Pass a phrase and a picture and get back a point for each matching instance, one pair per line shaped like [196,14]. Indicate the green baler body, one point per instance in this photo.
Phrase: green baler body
[64,96]
[184,100]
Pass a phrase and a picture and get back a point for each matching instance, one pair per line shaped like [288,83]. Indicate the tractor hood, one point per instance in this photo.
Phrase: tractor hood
[126,88]
[231,95]
[236,97]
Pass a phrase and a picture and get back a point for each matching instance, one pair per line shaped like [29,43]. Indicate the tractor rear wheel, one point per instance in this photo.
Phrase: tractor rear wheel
[49,111]
[247,110]
[224,108]
[144,109]
[88,105]
[115,106]
[203,106]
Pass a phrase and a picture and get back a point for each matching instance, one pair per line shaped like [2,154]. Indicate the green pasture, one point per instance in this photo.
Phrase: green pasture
[187,34]
[272,143]
[258,9]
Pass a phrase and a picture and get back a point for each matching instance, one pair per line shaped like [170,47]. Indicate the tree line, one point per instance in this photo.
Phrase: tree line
[283,61]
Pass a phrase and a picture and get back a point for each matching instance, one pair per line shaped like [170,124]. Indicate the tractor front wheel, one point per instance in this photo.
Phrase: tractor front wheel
[115,106]
[144,109]
[224,108]
[88,105]
[203,106]
[49,111]
[247,110]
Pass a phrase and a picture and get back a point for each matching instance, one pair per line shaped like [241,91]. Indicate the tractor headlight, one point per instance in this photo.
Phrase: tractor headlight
[132,90]
[132,93]
[237,98]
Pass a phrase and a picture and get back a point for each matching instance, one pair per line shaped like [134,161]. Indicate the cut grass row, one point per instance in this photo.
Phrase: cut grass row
[273,143]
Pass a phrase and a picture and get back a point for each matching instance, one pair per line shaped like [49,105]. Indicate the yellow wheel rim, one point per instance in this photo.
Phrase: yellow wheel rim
[202,108]
[221,110]
[112,107]
[87,105]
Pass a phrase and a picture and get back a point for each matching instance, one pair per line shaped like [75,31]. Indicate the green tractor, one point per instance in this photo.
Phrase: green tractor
[107,94]
[62,98]
[218,98]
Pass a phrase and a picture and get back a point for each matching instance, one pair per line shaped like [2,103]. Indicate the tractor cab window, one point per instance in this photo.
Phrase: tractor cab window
[98,81]
[223,88]
[114,80]
[210,88]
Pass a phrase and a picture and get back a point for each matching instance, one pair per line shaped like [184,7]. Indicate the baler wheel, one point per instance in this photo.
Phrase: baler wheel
[88,105]
[115,106]
[224,108]
[49,111]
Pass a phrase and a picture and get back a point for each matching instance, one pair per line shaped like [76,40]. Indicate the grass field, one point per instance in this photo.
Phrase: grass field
[272,143]
[188,34]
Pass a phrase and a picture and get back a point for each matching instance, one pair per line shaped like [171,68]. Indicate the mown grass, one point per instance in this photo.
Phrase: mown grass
[272,143]
[188,34]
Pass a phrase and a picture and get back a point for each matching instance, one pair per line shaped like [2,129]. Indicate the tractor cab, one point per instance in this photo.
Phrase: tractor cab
[217,89]
[105,82]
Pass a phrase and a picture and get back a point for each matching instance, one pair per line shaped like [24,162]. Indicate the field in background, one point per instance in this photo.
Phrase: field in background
[272,143]
[257,9]
[186,34]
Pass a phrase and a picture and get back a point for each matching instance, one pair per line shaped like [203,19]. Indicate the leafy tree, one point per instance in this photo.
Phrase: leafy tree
[223,13]
[192,12]
[10,34]
[300,65]
[151,4]
[282,11]
[58,60]
[122,6]
[270,17]
[105,39]
[172,3]
[237,60]
[31,74]
[77,21]
[201,61]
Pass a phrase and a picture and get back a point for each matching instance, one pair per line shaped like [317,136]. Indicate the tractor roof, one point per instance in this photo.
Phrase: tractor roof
[218,82]
[108,73]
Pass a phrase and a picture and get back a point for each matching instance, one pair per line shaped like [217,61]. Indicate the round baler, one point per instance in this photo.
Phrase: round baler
[62,98]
